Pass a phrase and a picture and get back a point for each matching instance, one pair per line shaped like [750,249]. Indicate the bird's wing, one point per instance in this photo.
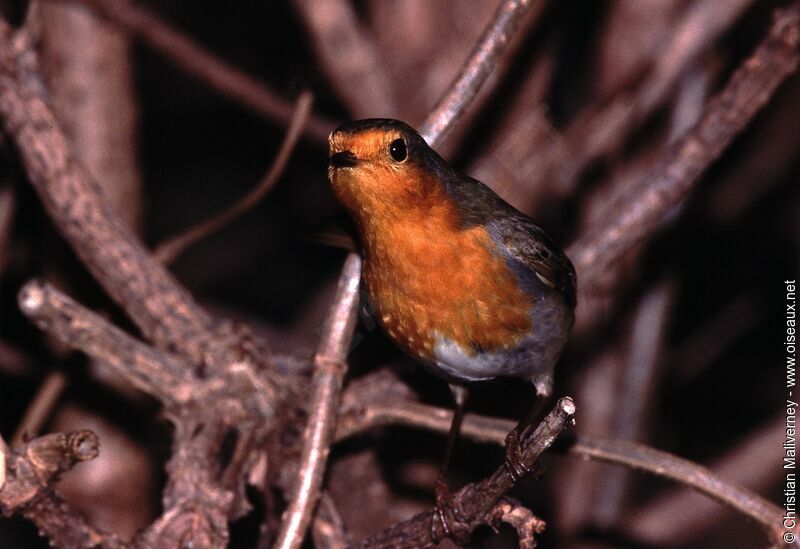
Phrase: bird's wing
[514,233]
[520,237]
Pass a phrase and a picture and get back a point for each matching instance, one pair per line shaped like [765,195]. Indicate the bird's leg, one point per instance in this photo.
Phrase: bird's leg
[444,516]
[513,458]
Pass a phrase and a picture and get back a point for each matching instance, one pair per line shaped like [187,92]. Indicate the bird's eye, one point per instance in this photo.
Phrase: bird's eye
[397,149]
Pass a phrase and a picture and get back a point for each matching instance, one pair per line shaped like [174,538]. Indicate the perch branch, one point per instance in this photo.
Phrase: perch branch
[32,469]
[146,368]
[330,367]
[474,503]
[643,210]
[482,61]
[479,66]
[617,452]
[205,65]
[168,251]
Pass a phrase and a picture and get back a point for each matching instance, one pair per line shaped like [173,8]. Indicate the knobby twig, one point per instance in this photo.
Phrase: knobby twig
[330,367]
[482,61]
[32,469]
[618,452]
[349,57]
[206,66]
[474,503]
[643,210]
[173,247]
[524,522]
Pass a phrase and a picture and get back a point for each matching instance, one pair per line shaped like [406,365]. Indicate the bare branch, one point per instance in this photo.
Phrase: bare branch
[206,66]
[474,503]
[169,250]
[349,57]
[644,208]
[617,452]
[162,308]
[146,368]
[482,61]
[330,365]
[41,406]
[602,129]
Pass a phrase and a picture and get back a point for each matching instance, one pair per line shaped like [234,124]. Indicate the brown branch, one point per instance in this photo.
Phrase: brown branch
[617,452]
[153,371]
[174,246]
[474,503]
[88,68]
[479,66]
[7,207]
[206,66]
[602,129]
[697,477]
[678,516]
[644,209]
[328,529]
[164,310]
[482,61]
[635,392]
[42,405]
[31,471]
[330,365]
[349,57]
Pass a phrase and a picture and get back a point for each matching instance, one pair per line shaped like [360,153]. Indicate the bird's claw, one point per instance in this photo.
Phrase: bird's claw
[514,459]
[447,521]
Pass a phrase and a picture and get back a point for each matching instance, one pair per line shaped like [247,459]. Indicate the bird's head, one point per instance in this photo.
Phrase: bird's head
[382,167]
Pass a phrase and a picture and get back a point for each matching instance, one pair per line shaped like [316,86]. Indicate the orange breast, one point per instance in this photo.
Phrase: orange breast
[429,278]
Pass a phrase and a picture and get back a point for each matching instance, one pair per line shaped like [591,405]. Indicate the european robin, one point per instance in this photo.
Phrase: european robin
[458,278]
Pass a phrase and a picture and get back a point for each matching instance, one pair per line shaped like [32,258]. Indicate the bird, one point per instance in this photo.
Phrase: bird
[457,278]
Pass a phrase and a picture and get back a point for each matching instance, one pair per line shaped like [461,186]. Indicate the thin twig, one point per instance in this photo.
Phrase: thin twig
[482,61]
[41,406]
[173,247]
[644,209]
[473,503]
[7,207]
[635,392]
[617,452]
[678,516]
[349,57]
[206,66]
[153,371]
[330,365]
[601,129]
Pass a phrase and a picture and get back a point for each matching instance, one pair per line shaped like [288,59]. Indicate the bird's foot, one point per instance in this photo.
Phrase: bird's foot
[447,521]
[514,458]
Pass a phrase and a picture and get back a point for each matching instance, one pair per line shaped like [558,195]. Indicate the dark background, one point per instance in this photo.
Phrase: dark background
[715,394]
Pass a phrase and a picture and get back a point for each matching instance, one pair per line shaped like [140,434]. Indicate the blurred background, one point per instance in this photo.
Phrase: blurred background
[680,348]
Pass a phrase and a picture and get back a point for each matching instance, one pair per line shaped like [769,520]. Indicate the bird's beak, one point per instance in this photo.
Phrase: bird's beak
[344,159]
